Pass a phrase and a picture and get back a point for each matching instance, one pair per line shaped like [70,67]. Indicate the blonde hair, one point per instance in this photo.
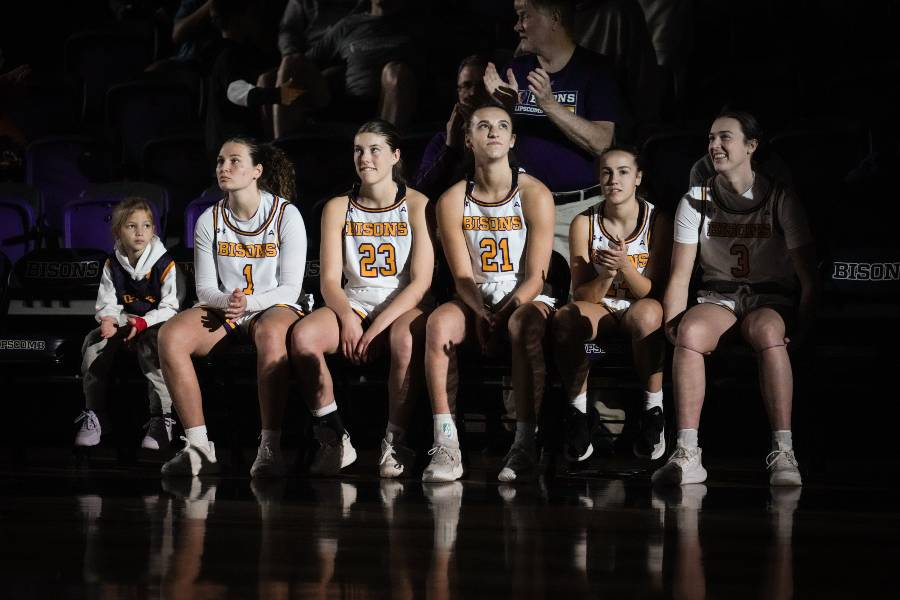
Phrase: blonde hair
[125,209]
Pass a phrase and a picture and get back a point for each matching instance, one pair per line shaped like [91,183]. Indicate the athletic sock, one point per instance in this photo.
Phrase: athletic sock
[687,438]
[325,410]
[580,402]
[653,400]
[782,440]
[196,436]
[270,438]
[445,433]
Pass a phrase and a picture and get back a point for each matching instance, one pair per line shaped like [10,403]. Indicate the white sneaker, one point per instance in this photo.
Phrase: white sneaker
[682,468]
[445,465]
[520,464]
[89,432]
[268,463]
[159,433]
[333,454]
[396,460]
[192,461]
[783,468]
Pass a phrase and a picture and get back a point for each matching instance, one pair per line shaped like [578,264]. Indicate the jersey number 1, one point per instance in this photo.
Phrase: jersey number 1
[489,250]
[248,277]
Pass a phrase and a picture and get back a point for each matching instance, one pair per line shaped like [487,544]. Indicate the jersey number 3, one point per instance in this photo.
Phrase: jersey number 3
[743,262]
[367,256]
[489,250]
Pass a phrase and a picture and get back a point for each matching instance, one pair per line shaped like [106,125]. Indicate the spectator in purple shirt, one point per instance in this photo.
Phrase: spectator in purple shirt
[442,160]
[565,103]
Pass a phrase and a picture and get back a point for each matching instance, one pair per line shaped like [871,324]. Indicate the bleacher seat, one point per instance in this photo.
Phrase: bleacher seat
[104,58]
[61,167]
[193,211]
[178,163]
[140,111]
[19,207]
[5,272]
[87,219]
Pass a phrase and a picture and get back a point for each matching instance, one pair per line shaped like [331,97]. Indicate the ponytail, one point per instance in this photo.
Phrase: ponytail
[278,171]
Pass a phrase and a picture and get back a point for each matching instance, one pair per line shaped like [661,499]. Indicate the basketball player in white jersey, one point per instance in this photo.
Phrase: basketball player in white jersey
[619,259]
[497,234]
[249,259]
[377,238]
[756,253]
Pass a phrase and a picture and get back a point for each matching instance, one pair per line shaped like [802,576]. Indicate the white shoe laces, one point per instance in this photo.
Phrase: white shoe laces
[388,454]
[168,422]
[441,455]
[89,419]
[774,455]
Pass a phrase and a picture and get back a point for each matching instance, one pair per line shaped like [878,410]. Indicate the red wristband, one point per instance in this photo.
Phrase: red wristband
[139,324]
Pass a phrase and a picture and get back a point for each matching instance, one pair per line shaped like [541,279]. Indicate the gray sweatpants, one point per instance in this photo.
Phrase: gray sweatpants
[98,357]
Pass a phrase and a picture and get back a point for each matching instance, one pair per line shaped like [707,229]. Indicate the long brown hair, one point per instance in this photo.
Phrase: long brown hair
[278,171]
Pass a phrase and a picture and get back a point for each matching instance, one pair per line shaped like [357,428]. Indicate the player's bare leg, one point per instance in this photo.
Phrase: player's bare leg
[271,333]
[764,329]
[573,325]
[643,321]
[312,338]
[446,329]
[407,348]
[194,332]
[698,335]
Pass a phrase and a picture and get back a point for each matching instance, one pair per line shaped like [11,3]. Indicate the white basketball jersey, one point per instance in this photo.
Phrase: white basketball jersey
[377,244]
[637,245]
[743,246]
[495,235]
[246,252]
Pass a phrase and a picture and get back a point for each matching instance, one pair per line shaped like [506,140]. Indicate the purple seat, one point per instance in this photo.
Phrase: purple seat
[193,211]
[87,219]
[19,205]
[5,270]
[60,167]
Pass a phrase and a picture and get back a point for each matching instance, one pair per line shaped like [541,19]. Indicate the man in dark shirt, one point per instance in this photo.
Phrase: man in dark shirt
[565,104]
[442,161]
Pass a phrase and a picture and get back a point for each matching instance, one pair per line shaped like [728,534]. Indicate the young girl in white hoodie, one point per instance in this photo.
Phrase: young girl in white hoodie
[138,292]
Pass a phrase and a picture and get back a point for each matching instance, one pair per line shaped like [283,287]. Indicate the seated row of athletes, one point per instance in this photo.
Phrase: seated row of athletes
[746,232]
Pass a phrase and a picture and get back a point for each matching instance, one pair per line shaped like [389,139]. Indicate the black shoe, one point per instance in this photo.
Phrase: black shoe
[651,440]
[579,430]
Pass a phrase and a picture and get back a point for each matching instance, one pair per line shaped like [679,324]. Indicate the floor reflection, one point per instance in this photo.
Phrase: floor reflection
[404,539]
